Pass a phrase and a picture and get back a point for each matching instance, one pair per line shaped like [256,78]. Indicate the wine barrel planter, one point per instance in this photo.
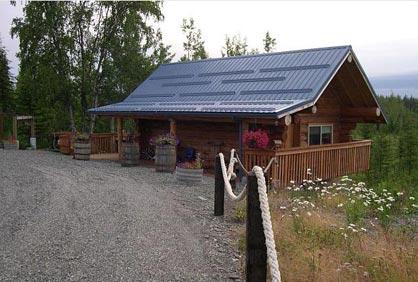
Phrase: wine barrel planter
[10,146]
[165,158]
[82,151]
[188,175]
[130,154]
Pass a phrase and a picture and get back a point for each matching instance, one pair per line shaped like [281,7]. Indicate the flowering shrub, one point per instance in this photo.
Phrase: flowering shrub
[196,164]
[82,137]
[355,199]
[164,139]
[256,139]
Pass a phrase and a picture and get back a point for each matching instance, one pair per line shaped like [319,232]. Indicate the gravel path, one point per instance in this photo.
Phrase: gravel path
[68,220]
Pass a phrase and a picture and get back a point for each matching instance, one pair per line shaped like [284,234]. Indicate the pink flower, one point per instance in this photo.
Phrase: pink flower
[257,139]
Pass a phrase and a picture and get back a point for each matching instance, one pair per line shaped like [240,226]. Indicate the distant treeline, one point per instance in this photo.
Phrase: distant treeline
[394,163]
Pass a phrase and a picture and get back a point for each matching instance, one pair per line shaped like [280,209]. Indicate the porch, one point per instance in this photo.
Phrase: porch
[325,161]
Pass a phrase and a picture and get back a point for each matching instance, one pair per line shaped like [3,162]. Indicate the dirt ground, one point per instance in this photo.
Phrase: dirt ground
[68,220]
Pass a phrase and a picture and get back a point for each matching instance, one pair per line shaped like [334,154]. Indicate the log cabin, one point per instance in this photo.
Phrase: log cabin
[308,102]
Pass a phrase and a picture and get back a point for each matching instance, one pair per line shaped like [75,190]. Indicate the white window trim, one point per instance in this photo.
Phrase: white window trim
[320,132]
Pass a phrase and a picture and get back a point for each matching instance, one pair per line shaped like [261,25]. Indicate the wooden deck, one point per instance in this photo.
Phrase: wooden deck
[325,161]
[105,156]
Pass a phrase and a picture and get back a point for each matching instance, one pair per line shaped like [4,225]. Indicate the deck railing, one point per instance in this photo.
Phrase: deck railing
[325,161]
[100,142]
[103,143]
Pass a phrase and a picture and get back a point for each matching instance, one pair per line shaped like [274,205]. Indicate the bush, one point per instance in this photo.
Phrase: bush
[164,139]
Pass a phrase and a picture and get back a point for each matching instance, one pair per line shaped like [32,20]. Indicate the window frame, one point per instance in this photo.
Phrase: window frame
[320,125]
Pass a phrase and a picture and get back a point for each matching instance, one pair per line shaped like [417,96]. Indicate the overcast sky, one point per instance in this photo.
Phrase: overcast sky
[383,34]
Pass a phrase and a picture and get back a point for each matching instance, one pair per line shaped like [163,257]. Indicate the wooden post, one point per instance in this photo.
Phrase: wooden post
[173,128]
[32,128]
[112,125]
[14,136]
[1,125]
[256,266]
[219,188]
[119,124]
[287,136]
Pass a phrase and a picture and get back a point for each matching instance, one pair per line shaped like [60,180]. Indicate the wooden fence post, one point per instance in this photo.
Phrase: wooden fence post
[14,130]
[219,188]
[256,266]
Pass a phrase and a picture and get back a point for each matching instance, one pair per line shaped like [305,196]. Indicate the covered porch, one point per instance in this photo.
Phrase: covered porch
[210,136]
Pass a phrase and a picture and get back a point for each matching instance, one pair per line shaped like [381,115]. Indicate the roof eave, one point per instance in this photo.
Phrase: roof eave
[184,113]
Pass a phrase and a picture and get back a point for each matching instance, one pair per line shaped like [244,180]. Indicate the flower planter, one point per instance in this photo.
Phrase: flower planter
[189,175]
[82,151]
[10,146]
[130,154]
[165,158]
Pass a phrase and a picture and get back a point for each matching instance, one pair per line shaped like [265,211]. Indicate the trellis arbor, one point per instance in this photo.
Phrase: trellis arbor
[11,141]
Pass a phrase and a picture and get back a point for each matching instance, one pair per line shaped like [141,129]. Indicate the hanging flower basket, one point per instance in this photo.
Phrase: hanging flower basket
[256,139]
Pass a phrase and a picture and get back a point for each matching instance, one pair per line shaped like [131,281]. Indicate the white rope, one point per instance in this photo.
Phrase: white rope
[264,206]
[228,175]
[269,164]
[241,165]
[267,225]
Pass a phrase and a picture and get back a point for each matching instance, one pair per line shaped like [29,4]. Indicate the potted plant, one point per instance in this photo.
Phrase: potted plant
[130,151]
[190,171]
[82,146]
[256,139]
[165,152]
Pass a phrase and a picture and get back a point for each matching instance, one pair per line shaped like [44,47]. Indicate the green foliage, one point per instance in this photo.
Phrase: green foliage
[165,139]
[269,43]
[79,55]
[394,158]
[82,137]
[235,46]
[240,212]
[6,86]
[194,45]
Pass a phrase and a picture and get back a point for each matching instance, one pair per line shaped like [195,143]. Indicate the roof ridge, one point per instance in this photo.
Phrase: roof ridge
[262,54]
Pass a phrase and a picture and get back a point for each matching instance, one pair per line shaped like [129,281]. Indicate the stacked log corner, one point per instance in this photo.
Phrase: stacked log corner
[165,158]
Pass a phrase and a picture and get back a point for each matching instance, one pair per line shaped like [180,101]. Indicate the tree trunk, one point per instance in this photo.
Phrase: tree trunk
[72,123]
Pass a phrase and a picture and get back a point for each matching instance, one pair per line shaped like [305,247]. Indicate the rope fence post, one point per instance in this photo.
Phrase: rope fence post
[256,264]
[219,188]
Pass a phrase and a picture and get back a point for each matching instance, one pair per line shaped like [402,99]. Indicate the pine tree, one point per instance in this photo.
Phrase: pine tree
[6,85]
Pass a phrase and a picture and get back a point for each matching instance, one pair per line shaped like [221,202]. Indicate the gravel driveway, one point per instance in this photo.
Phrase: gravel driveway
[68,220]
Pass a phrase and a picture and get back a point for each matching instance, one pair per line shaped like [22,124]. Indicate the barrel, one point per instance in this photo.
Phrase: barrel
[165,158]
[189,176]
[10,146]
[130,154]
[82,151]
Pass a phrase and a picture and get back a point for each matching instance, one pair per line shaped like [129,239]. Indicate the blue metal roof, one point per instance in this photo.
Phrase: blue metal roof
[265,84]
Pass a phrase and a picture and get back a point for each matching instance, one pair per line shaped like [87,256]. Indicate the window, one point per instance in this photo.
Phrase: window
[320,134]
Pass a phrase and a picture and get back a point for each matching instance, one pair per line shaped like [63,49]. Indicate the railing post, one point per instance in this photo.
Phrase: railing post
[256,266]
[219,188]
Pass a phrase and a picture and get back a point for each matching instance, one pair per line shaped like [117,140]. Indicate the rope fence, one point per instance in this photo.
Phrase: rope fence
[261,247]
